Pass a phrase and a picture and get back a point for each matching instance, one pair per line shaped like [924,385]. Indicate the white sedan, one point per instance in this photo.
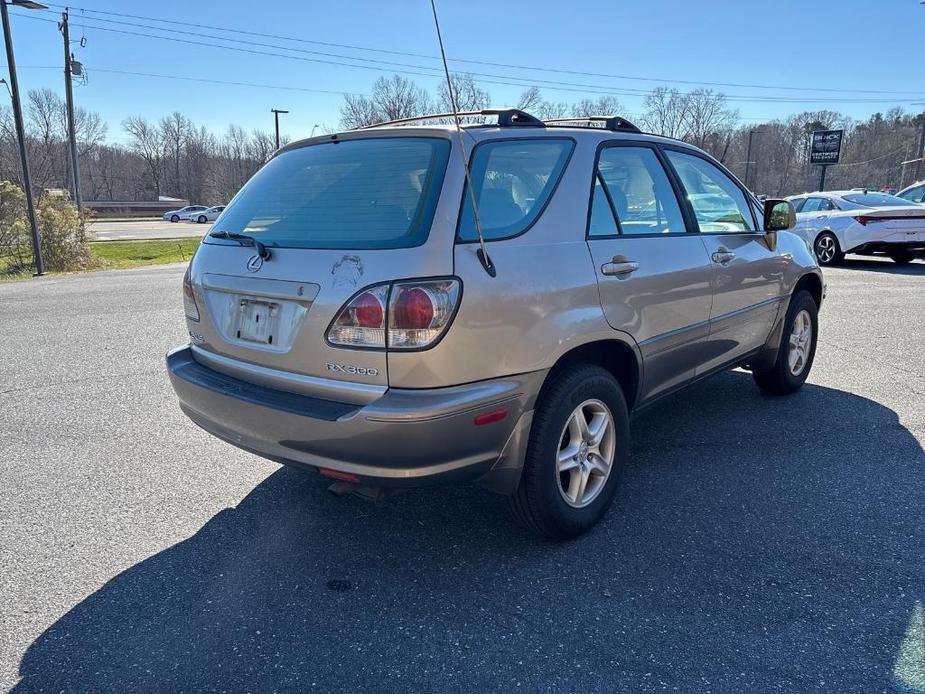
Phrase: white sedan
[859,221]
[208,215]
[183,213]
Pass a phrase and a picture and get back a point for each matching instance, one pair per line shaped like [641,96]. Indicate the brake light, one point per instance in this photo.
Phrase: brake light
[361,323]
[863,219]
[418,313]
[189,299]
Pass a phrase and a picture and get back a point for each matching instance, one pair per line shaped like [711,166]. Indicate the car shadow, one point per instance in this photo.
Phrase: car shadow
[757,543]
[878,264]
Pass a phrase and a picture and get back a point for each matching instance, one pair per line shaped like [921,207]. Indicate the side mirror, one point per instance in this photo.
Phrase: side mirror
[779,215]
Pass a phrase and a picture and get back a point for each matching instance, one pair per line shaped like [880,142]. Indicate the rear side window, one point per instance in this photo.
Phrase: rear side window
[817,205]
[353,194]
[636,189]
[513,180]
[718,203]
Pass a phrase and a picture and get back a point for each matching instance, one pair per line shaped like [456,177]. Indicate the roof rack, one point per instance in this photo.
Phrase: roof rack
[616,123]
[507,117]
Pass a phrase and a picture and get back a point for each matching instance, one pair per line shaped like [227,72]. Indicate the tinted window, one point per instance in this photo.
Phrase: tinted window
[639,191]
[512,180]
[798,204]
[718,203]
[875,199]
[602,221]
[816,205]
[353,194]
[913,194]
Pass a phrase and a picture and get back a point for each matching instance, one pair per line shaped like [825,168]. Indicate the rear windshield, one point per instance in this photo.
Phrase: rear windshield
[353,194]
[875,200]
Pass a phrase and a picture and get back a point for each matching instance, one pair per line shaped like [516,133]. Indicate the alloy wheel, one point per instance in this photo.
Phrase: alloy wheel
[801,338]
[586,453]
[825,249]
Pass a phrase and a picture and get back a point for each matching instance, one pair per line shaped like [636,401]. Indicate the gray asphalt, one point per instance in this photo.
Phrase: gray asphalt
[139,230]
[758,544]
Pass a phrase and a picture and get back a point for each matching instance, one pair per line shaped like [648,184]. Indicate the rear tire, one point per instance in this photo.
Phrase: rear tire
[797,349]
[174,218]
[902,257]
[828,250]
[551,500]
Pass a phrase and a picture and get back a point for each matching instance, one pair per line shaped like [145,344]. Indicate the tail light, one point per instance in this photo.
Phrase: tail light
[361,323]
[418,312]
[863,219]
[189,300]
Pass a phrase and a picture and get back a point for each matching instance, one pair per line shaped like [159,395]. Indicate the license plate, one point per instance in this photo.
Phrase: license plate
[257,321]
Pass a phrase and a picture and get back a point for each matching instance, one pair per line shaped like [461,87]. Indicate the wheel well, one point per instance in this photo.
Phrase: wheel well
[612,355]
[812,284]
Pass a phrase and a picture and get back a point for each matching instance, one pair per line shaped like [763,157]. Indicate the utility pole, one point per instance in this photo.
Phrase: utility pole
[748,153]
[71,128]
[276,112]
[918,163]
[20,129]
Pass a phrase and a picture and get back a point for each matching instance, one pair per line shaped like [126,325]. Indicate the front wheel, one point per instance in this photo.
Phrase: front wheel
[578,443]
[202,219]
[174,218]
[828,251]
[902,257]
[797,348]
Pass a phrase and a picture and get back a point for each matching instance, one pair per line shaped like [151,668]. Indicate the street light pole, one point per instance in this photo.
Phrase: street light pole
[748,153]
[20,129]
[276,112]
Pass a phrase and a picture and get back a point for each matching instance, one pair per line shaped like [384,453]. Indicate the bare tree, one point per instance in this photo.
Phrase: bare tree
[147,143]
[665,112]
[602,106]
[469,96]
[391,98]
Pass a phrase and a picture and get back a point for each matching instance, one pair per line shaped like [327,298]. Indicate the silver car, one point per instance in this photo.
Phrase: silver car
[183,213]
[344,315]
[862,222]
[208,215]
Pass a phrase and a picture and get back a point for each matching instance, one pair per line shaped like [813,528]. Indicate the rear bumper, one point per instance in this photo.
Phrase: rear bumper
[917,246]
[405,438]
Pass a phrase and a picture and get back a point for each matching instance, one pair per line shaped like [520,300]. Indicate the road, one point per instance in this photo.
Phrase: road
[136,230]
[758,543]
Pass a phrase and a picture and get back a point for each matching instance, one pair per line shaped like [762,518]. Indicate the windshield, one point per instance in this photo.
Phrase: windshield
[354,194]
[876,200]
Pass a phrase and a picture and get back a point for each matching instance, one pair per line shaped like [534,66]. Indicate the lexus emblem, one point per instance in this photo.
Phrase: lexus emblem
[255,263]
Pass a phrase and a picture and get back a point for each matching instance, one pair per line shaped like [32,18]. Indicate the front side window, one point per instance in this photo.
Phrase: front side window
[638,192]
[351,194]
[512,180]
[718,203]
[816,205]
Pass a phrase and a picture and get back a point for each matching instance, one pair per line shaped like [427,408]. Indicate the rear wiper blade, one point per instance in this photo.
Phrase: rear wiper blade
[262,250]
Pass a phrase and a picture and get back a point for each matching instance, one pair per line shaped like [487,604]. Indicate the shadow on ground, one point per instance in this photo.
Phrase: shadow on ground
[882,264]
[758,544]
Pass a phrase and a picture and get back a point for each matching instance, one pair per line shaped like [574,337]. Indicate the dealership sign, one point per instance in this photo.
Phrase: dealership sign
[825,147]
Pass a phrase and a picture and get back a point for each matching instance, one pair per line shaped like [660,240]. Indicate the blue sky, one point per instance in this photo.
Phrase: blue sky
[800,49]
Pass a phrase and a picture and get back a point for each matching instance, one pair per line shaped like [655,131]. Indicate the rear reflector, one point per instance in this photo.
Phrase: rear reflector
[338,475]
[490,417]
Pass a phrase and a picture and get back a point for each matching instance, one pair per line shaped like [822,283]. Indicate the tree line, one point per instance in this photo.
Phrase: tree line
[173,156]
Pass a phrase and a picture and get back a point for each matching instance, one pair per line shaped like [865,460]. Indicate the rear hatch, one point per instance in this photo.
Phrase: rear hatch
[894,223]
[335,216]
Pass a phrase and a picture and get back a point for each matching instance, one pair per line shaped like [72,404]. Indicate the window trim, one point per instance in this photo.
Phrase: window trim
[672,180]
[757,231]
[492,140]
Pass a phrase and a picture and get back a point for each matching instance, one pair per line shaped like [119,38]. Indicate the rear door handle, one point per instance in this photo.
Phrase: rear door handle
[619,269]
[723,256]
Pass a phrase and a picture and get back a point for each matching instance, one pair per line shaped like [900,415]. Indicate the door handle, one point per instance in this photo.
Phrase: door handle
[619,268]
[723,256]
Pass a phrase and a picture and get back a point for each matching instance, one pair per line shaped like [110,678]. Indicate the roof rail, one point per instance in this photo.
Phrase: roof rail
[616,123]
[507,117]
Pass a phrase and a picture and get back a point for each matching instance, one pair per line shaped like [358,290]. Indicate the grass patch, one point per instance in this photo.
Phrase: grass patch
[120,254]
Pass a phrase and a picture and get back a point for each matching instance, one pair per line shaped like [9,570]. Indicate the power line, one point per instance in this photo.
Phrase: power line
[503,80]
[496,64]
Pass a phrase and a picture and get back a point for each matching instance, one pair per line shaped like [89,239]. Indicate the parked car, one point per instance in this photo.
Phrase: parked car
[344,317]
[183,213]
[207,215]
[913,193]
[860,221]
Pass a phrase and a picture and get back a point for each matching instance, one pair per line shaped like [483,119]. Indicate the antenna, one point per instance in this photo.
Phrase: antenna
[482,253]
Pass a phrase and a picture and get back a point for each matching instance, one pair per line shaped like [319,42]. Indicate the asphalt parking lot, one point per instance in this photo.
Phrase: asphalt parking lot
[757,544]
